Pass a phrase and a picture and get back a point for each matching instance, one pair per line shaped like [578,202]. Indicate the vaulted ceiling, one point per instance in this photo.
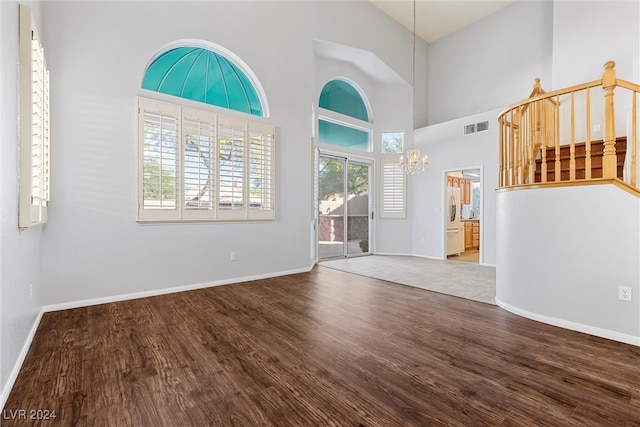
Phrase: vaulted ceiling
[437,18]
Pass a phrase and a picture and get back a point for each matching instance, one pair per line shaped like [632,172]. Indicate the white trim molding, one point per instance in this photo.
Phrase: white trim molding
[574,326]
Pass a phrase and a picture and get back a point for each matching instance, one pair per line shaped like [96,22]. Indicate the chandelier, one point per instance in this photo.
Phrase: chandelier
[411,162]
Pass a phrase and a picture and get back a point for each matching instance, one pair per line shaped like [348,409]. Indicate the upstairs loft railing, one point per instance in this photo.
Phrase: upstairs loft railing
[582,133]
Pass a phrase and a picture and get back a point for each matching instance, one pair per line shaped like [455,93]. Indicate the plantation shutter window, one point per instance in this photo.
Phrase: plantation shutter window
[199,136]
[219,168]
[159,127]
[261,151]
[232,160]
[34,191]
[393,188]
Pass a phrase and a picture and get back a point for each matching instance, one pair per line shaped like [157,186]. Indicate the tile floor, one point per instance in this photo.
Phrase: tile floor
[461,279]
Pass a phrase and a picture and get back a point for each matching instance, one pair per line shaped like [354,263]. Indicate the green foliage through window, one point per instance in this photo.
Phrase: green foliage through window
[392,142]
[331,179]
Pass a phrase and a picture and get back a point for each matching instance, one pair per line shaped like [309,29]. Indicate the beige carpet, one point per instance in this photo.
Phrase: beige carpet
[460,279]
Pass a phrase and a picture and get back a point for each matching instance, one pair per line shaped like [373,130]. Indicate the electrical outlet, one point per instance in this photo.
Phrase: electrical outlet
[30,290]
[232,256]
[596,128]
[624,293]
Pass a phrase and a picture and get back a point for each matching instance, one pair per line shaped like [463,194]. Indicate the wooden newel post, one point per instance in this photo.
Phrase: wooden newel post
[609,168]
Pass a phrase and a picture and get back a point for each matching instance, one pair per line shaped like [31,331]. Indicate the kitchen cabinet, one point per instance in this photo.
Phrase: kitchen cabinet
[471,234]
[468,235]
[476,234]
[464,185]
[467,191]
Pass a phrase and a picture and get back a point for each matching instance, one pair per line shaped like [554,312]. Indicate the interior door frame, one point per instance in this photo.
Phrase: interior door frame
[443,207]
[347,158]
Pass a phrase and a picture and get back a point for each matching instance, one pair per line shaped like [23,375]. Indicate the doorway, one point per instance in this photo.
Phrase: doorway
[344,210]
[463,215]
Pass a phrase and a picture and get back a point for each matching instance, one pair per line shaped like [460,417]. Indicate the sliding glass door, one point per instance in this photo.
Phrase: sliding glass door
[344,208]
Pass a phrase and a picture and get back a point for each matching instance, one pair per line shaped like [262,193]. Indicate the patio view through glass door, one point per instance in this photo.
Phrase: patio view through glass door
[343,203]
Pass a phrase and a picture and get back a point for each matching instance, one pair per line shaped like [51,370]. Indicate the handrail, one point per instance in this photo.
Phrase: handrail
[628,85]
[552,94]
[553,136]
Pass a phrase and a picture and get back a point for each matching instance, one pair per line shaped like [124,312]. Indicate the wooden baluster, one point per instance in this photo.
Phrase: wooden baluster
[516,144]
[557,142]
[502,125]
[535,136]
[522,138]
[516,149]
[512,144]
[634,139]
[556,123]
[531,160]
[587,144]
[508,149]
[572,142]
[609,167]
[543,146]
[521,150]
[503,149]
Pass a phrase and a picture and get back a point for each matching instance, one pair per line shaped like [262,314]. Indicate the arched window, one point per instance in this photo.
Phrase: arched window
[342,97]
[203,75]
[195,164]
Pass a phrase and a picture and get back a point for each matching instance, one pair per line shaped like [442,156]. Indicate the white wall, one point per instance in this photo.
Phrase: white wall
[449,149]
[586,34]
[20,254]
[94,248]
[563,252]
[491,63]
[393,235]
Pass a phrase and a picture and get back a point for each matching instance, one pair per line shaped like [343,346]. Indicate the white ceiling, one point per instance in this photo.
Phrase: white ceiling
[437,18]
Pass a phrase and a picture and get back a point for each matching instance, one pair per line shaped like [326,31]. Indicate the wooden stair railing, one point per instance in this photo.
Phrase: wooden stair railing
[539,136]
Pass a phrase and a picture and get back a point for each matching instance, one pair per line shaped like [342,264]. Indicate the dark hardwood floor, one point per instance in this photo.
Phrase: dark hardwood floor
[324,348]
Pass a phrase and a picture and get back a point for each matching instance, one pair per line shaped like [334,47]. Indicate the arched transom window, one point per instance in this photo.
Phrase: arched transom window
[349,128]
[205,76]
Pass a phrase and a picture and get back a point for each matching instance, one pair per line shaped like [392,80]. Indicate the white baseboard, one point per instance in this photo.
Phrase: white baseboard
[574,326]
[164,291]
[18,365]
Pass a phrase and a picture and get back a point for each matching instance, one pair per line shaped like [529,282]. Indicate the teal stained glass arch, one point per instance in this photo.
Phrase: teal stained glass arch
[202,75]
[342,97]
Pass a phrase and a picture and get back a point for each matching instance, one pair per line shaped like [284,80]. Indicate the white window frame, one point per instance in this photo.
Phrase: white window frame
[253,151]
[346,121]
[34,140]
[393,194]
